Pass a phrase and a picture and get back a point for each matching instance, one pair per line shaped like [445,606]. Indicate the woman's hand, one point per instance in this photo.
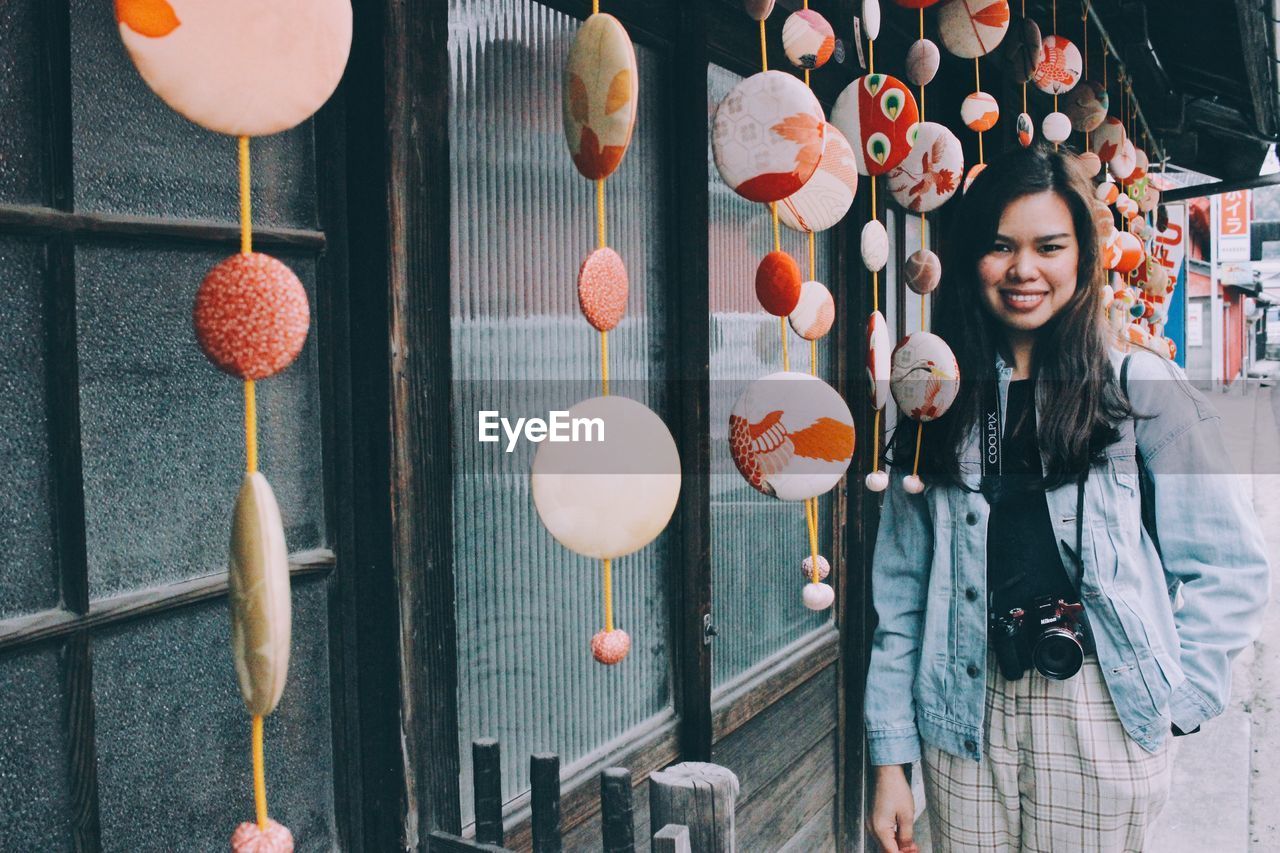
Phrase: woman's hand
[893,813]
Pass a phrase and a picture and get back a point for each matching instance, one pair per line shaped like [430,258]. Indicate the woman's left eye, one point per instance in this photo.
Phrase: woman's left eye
[1051,247]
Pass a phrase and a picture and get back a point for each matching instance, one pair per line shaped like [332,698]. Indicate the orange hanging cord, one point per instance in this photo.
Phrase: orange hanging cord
[977,87]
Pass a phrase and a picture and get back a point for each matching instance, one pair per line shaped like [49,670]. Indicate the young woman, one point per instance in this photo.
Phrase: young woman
[1027,638]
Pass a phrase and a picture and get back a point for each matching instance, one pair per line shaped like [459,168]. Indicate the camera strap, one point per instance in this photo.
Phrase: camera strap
[993,465]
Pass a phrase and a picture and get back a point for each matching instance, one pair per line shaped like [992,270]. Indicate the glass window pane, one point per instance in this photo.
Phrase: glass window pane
[758,543]
[35,794]
[22,166]
[174,765]
[524,218]
[28,573]
[163,430]
[134,155]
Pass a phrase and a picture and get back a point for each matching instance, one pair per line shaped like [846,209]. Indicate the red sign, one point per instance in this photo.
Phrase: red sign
[1235,213]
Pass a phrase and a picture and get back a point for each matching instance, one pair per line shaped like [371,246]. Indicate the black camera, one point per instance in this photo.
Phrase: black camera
[1051,636]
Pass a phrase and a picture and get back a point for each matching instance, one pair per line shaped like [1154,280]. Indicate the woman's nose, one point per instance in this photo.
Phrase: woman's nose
[1022,268]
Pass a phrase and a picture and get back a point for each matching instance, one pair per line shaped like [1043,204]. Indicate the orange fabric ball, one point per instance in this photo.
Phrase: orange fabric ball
[251,316]
[610,647]
[778,283]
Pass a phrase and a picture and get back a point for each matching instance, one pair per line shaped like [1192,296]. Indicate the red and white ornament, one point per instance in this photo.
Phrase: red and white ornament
[778,283]
[251,316]
[924,377]
[878,115]
[1060,67]
[808,39]
[974,170]
[1108,138]
[931,173]
[814,314]
[601,96]
[879,358]
[827,196]
[979,111]
[1026,130]
[767,137]
[972,28]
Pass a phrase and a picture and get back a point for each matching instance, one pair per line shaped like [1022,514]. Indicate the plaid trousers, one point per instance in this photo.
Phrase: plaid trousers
[1058,774]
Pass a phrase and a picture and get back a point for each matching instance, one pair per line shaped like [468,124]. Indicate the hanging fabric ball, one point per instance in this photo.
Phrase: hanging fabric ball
[778,283]
[1141,229]
[610,647]
[251,316]
[824,567]
[814,313]
[979,111]
[912,485]
[602,289]
[239,67]
[1108,138]
[610,496]
[827,196]
[1140,165]
[877,114]
[1089,164]
[879,357]
[1108,296]
[1025,49]
[1086,105]
[972,28]
[877,481]
[767,137]
[871,19]
[758,10]
[1131,253]
[258,582]
[808,39]
[1103,222]
[1056,127]
[818,596]
[249,838]
[974,171]
[923,271]
[791,436]
[924,377]
[1138,309]
[1150,201]
[916,4]
[930,174]
[1026,130]
[1127,207]
[1107,192]
[923,60]
[874,245]
[1060,67]
[601,96]
[1111,250]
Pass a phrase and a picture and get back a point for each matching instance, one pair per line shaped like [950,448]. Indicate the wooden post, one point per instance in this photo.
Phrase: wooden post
[699,796]
[544,773]
[486,763]
[615,805]
[672,838]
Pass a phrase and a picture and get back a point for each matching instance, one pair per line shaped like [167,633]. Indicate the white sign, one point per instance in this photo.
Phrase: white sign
[1195,324]
[1170,248]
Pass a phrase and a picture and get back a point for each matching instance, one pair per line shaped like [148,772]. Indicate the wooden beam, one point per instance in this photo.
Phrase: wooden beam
[101,227]
[52,624]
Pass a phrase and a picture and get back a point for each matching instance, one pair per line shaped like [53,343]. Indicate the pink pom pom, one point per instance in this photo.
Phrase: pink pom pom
[824,567]
[248,838]
[610,647]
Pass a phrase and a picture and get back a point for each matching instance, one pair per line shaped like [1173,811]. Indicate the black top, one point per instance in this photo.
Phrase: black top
[1023,561]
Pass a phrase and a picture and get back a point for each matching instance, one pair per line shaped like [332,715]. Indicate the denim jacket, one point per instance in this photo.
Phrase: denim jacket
[927,678]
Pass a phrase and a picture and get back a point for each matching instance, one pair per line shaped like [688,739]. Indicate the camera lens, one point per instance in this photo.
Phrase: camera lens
[1058,654]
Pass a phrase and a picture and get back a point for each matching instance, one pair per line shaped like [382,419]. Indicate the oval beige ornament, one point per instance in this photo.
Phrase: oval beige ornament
[923,271]
[923,60]
[758,9]
[601,93]
[259,587]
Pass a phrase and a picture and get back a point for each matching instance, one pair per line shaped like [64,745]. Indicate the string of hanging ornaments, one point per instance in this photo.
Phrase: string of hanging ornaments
[791,434]
[609,498]
[237,68]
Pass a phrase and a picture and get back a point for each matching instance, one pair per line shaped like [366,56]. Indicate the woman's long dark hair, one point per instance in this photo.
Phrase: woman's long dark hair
[1079,399]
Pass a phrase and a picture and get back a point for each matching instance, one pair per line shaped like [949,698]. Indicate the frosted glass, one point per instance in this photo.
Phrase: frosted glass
[162,430]
[28,574]
[22,171]
[757,543]
[523,220]
[35,793]
[134,155]
[174,766]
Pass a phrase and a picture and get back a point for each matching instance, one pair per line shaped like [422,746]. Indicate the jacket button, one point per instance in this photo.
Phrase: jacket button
[971,518]
[971,746]
[971,594]
[972,670]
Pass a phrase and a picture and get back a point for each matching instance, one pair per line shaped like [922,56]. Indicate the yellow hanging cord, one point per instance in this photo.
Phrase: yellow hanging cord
[1085,33]
[595,7]
[1024,82]
[921,85]
[977,87]
[875,442]
[601,240]
[608,594]
[871,56]
[764,53]
[811,519]
[246,247]
[915,467]
[259,774]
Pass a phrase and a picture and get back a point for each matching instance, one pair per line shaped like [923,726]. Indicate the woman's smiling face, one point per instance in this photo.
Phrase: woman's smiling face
[1029,272]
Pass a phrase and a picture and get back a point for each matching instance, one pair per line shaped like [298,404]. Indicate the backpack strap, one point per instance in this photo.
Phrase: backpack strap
[1146,486]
